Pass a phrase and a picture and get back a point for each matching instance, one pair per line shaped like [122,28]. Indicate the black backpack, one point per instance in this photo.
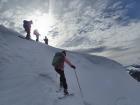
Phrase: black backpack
[25,23]
[58,59]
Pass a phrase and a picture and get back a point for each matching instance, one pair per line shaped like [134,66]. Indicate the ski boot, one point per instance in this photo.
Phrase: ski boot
[66,92]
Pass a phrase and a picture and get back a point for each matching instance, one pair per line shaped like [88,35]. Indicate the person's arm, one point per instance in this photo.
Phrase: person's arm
[69,63]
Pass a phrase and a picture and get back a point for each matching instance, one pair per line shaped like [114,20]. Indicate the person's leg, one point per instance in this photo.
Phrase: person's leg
[28,33]
[60,80]
[63,81]
[37,38]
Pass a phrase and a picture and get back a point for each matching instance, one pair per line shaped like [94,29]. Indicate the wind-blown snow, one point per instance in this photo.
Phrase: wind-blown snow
[28,78]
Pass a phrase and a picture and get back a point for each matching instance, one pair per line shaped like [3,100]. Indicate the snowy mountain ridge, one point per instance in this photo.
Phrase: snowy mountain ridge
[27,76]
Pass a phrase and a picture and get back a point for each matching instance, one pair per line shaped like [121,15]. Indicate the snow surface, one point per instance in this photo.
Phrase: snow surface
[28,78]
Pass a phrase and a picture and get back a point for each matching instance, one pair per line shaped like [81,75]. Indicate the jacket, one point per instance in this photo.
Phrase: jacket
[61,66]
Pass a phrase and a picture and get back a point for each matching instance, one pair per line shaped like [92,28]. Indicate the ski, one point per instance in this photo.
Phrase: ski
[64,96]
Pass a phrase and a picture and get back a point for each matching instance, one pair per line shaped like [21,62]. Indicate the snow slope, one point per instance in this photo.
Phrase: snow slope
[27,77]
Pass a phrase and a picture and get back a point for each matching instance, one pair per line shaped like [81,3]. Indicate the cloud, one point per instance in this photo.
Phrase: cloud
[86,14]
[15,11]
[92,50]
[95,20]
[101,49]
[95,25]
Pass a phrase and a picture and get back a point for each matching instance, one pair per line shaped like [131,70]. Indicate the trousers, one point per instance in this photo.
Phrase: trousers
[63,81]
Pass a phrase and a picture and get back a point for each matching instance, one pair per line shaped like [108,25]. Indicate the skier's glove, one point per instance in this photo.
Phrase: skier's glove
[72,66]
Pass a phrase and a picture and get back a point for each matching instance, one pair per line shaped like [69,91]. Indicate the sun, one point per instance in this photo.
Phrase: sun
[42,22]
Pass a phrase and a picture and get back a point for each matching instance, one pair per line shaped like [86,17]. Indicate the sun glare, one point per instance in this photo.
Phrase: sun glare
[43,23]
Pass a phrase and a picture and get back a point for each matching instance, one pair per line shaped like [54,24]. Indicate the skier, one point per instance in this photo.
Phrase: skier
[36,33]
[46,40]
[27,27]
[58,64]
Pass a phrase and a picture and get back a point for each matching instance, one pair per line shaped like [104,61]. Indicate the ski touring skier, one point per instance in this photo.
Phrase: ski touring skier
[27,27]
[46,40]
[58,64]
[36,33]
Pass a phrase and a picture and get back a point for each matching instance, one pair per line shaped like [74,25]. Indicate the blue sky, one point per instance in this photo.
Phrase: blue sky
[105,27]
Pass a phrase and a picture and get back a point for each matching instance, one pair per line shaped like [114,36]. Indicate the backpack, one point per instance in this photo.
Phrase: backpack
[25,23]
[58,59]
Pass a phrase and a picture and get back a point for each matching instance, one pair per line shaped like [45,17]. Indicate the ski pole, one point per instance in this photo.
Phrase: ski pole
[82,96]
[78,83]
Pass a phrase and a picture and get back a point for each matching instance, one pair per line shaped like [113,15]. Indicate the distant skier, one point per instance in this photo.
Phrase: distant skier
[58,64]
[36,33]
[46,40]
[27,27]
